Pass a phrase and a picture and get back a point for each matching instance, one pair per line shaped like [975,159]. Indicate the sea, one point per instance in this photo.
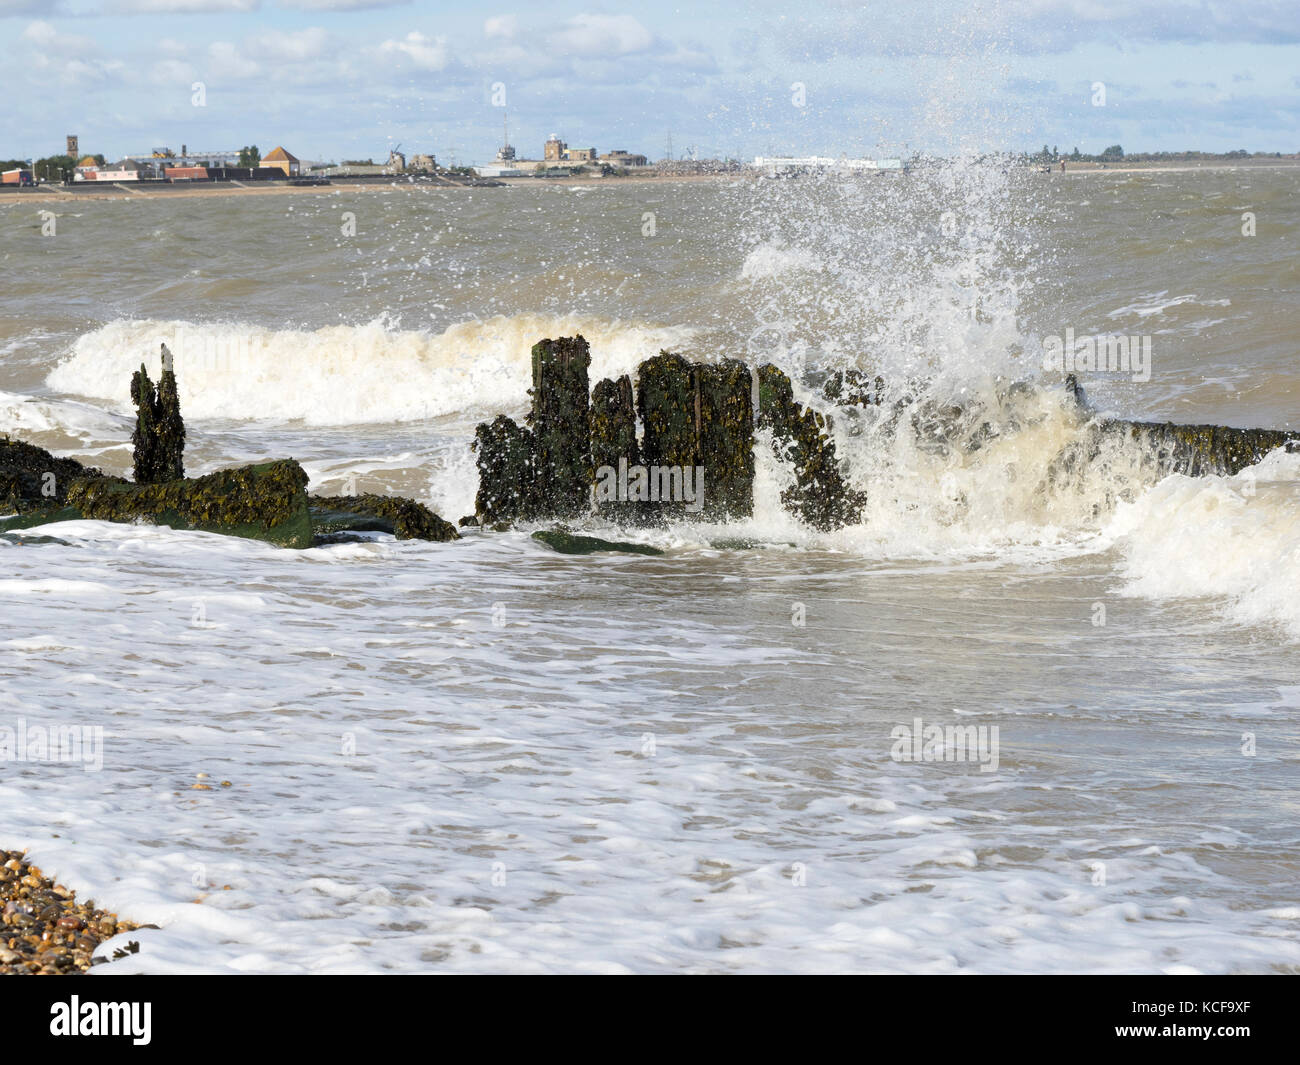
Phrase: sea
[485,756]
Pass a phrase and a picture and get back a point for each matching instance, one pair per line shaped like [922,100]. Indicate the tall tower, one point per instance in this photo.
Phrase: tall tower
[507,153]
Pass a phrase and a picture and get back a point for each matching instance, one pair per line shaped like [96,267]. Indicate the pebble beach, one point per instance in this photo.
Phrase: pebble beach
[47,932]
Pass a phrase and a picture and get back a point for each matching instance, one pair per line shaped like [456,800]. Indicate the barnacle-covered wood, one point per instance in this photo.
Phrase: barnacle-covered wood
[726,439]
[262,502]
[560,423]
[613,438]
[668,401]
[820,497]
[159,437]
[1198,450]
[505,472]
[854,388]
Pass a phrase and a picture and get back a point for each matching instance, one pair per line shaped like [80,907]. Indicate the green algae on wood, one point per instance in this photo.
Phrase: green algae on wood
[505,472]
[854,388]
[36,516]
[159,437]
[699,416]
[571,544]
[265,502]
[561,428]
[726,439]
[666,401]
[170,427]
[820,496]
[1199,450]
[613,439]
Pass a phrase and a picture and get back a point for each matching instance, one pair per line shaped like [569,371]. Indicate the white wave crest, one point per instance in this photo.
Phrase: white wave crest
[1233,539]
[345,374]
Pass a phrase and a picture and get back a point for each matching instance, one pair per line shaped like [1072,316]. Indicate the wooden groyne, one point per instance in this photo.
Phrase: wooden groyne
[578,455]
[266,501]
[675,443]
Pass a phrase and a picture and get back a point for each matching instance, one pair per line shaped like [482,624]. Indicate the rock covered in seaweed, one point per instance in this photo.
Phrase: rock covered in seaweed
[404,518]
[567,543]
[31,477]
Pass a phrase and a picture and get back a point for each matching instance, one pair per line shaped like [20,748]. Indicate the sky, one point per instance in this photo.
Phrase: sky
[343,79]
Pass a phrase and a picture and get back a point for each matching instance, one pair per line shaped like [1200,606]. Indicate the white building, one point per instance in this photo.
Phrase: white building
[775,163]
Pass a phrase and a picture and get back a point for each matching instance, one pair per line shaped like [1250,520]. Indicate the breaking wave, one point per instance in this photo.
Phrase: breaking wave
[345,374]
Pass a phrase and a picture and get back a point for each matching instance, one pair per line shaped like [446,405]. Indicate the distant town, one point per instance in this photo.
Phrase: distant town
[163,166]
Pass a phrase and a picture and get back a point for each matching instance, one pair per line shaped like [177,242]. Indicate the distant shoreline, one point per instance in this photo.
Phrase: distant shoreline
[46,194]
[57,194]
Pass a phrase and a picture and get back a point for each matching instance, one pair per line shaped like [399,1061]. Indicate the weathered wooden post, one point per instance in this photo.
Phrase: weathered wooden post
[853,388]
[669,404]
[561,427]
[819,496]
[144,438]
[725,449]
[170,427]
[614,447]
[159,437]
[505,472]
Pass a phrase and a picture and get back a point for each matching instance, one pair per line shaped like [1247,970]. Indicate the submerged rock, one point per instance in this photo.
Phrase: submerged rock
[571,544]
[404,518]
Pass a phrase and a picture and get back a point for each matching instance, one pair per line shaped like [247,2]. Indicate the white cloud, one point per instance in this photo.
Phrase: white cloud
[503,27]
[228,60]
[182,7]
[427,53]
[172,73]
[602,36]
[290,46]
[50,41]
[340,5]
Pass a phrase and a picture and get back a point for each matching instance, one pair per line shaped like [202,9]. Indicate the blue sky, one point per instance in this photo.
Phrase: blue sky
[330,79]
